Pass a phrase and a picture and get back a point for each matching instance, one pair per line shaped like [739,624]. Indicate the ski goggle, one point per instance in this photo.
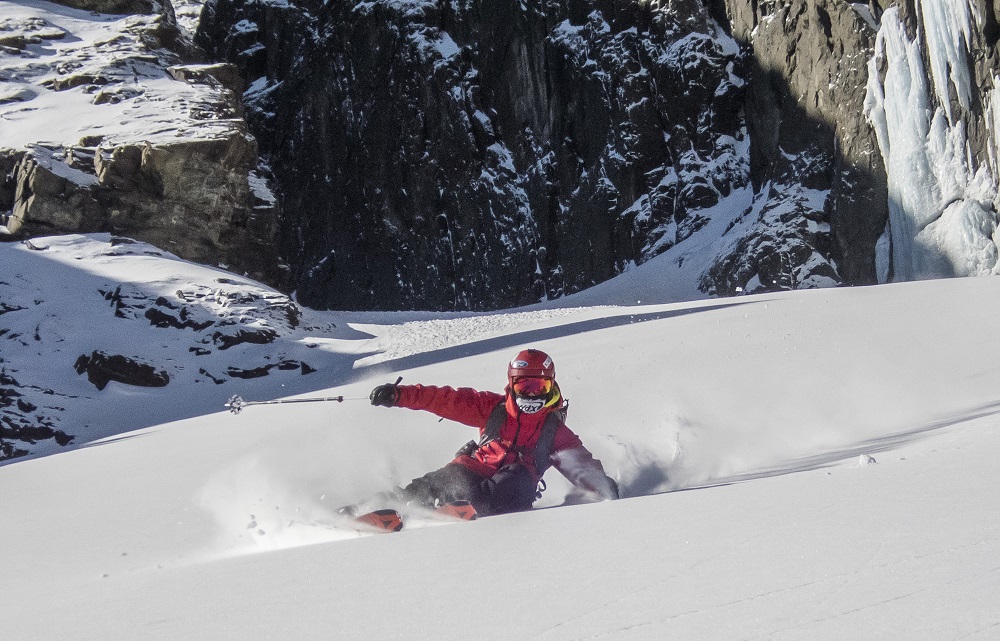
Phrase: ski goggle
[532,386]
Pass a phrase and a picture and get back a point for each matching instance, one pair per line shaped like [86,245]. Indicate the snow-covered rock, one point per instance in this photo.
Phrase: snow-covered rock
[92,322]
[107,126]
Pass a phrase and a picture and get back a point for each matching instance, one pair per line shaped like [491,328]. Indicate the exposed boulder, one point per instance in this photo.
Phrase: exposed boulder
[49,195]
[102,368]
[223,73]
[225,340]
[264,370]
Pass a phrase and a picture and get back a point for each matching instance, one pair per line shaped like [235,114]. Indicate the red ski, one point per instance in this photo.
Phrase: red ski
[390,520]
[380,521]
[458,510]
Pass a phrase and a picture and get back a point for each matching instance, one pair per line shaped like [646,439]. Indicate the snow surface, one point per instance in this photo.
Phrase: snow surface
[812,465]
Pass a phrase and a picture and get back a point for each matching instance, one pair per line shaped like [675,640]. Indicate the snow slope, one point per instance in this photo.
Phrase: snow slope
[812,465]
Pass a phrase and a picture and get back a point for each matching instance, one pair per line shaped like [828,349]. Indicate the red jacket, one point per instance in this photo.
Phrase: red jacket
[518,435]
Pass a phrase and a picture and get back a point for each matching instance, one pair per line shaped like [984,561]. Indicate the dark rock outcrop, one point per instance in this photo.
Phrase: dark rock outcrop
[192,197]
[21,423]
[102,368]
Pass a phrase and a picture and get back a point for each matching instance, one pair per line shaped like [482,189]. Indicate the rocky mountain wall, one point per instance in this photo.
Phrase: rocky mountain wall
[483,154]
[463,154]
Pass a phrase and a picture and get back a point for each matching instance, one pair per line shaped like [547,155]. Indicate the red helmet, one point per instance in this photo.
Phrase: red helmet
[533,363]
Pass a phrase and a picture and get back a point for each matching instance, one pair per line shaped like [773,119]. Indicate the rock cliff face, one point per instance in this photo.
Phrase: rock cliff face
[905,117]
[480,154]
[815,160]
[484,154]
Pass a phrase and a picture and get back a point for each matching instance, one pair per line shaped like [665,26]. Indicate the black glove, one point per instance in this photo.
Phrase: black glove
[385,395]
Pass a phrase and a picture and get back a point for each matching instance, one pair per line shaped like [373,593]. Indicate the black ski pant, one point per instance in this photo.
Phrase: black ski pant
[512,489]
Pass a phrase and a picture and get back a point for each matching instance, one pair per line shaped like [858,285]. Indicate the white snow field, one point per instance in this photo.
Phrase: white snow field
[817,465]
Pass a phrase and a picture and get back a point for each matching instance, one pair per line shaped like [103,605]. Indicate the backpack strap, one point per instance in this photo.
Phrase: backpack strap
[546,441]
[494,423]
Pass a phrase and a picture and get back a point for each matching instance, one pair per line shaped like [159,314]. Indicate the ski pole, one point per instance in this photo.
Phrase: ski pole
[236,402]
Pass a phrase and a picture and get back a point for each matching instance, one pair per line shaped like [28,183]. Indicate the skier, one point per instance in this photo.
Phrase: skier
[522,432]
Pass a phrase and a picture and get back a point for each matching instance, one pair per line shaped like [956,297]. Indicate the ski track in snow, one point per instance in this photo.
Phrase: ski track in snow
[392,342]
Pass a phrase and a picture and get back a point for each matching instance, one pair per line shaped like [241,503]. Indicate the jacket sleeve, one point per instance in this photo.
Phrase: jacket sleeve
[576,463]
[463,405]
